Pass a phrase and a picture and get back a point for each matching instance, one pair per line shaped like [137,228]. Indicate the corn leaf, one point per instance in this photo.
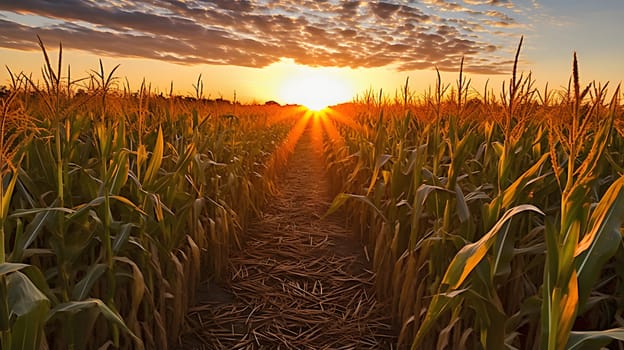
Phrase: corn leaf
[471,254]
[439,304]
[78,306]
[342,198]
[27,212]
[23,241]
[122,237]
[38,279]
[594,339]
[603,239]
[503,252]
[418,206]
[117,174]
[156,158]
[567,308]
[462,264]
[187,156]
[7,268]
[83,287]
[462,207]
[138,289]
[96,202]
[511,193]
[23,294]
[6,195]
[381,160]
[29,306]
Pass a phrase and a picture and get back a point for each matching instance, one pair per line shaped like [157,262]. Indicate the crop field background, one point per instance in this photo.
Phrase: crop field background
[489,219]
[492,221]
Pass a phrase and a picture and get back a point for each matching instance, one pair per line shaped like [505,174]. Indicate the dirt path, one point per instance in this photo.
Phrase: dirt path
[301,281]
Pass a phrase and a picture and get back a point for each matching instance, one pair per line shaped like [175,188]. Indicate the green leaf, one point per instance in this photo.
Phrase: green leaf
[341,198]
[462,208]
[82,208]
[594,339]
[23,294]
[462,264]
[548,326]
[381,160]
[418,205]
[33,229]
[491,318]
[30,307]
[118,172]
[189,152]
[439,304]
[6,195]
[498,148]
[27,331]
[566,302]
[38,279]
[138,288]
[471,254]
[105,138]
[603,239]
[511,193]
[122,237]
[7,268]
[81,289]
[156,159]
[129,203]
[78,306]
[27,212]
[503,253]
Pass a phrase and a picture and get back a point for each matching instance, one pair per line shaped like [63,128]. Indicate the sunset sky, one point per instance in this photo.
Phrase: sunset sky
[289,50]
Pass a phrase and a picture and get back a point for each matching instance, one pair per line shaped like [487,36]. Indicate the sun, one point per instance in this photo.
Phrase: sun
[315,90]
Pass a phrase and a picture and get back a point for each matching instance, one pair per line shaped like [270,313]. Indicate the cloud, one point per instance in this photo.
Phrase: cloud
[502,3]
[405,35]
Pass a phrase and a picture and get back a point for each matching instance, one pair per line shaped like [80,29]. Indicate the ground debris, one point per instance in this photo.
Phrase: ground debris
[300,282]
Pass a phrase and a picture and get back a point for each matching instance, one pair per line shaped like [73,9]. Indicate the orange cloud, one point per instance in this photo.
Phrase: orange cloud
[256,33]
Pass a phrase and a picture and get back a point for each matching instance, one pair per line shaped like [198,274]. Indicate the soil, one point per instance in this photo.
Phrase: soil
[302,281]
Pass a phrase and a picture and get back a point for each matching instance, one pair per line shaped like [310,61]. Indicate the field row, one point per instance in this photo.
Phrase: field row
[114,205]
[492,221]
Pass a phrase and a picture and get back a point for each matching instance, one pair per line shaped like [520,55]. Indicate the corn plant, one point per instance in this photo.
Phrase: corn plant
[112,223]
[22,304]
[584,239]
[473,235]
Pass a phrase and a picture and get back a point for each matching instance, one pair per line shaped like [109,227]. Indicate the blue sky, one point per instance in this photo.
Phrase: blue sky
[591,28]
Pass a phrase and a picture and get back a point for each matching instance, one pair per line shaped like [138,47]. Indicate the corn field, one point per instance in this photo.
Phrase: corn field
[492,220]
[116,204]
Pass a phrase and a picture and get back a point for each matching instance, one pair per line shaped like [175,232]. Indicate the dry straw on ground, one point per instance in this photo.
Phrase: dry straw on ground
[301,281]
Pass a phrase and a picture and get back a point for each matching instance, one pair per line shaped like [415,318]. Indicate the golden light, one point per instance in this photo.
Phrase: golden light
[315,90]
